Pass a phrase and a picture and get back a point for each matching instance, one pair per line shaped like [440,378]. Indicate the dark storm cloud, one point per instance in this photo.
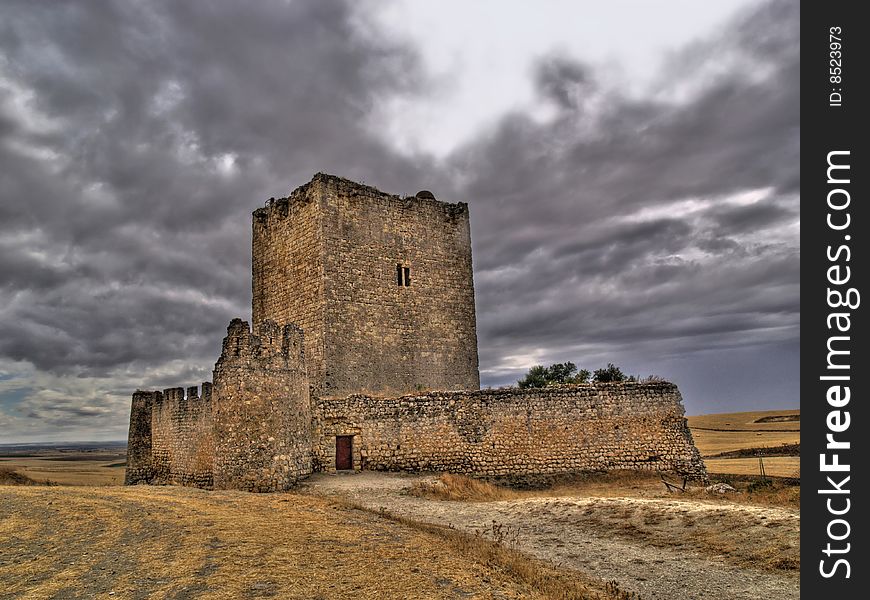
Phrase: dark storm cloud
[563,80]
[670,218]
[136,139]
[752,217]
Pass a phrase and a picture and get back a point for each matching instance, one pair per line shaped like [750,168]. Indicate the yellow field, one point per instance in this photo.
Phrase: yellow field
[715,442]
[727,432]
[68,472]
[161,542]
[775,466]
[747,420]
[70,468]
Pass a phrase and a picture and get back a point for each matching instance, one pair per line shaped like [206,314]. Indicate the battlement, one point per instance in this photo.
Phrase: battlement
[261,412]
[176,395]
[170,437]
[324,184]
[360,269]
[268,344]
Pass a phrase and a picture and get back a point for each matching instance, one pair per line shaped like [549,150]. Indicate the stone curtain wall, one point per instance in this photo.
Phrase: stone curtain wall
[262,413]
[514,432]
[170,440]
[182,446]
[287,268]
[381,338]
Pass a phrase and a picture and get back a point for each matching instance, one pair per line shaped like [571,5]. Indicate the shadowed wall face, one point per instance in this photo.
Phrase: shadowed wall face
[288,270]
[381,285]
[139,439]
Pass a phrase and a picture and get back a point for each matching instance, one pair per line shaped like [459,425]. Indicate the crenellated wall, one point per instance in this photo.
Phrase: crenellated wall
[262,414]
[171,437]
[258,429]
[513,432]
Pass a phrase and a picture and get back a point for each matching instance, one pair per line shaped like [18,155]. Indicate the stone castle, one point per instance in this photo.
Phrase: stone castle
[363,355]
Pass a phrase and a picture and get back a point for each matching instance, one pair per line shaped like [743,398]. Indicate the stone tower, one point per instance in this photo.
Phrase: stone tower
[382,287]
[261,413]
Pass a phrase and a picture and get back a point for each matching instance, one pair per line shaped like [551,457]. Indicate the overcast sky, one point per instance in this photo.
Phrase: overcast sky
[631,170]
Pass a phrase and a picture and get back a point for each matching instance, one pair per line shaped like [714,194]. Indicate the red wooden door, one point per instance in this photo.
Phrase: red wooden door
[344,452]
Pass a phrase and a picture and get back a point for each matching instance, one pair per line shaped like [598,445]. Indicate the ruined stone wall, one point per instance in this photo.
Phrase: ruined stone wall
[288,270]
[386,339]
[170,440]
[139,438]
[262,413]
[182,445]
[513,432]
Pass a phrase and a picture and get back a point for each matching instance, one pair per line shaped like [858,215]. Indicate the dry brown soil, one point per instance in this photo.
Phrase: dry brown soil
[658,547]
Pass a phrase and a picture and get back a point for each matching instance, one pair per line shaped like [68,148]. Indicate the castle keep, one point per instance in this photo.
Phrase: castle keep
[363,355]
[381,286]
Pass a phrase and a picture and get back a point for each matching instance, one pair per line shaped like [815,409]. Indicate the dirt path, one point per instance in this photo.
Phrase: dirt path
[659,548]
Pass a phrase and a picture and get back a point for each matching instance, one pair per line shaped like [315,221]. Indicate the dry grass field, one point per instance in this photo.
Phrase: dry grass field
[775,466]
[73,465]
[376,535]
[729,432]
[99,471]
[171,542]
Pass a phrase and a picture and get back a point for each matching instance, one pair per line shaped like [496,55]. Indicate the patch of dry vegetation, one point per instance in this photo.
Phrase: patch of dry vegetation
[779,492]
[501,552]
[774,535]
[461,488]
[10,476]
[144,541]
[629,484]
[613,483]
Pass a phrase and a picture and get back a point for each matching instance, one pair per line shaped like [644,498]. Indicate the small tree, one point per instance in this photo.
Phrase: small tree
[608,374]
[536,377]
[555,374]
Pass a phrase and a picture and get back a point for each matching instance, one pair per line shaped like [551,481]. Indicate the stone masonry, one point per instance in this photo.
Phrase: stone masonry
[363,355]
[508,431]
[382,286]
